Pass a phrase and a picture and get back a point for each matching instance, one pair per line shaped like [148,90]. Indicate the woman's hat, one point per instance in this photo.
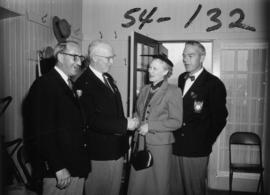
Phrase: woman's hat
[61,29]
[161,57]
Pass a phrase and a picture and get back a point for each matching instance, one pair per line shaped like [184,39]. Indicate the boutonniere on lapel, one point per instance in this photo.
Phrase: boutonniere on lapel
[197,105]
[79,92]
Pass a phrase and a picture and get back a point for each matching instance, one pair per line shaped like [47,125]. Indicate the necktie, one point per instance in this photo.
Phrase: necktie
[192,78]
[70,84]
[107,83]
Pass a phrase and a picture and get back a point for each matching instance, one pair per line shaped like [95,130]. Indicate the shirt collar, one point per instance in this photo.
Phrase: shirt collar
[196,74]
[62,74]
[97,73]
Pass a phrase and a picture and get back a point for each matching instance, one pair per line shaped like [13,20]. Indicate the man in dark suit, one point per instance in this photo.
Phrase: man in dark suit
[204,117]
[108,140]
[59,125]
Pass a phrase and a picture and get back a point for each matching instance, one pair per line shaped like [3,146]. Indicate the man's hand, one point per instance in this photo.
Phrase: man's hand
[133,123]
[63,178]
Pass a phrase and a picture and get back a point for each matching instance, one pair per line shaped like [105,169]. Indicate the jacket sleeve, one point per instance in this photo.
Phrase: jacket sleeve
[175,114]
[42,109]
[218,110]
[99,122]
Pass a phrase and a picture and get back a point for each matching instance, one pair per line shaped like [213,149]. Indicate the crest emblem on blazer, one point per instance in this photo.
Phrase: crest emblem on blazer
[198,105]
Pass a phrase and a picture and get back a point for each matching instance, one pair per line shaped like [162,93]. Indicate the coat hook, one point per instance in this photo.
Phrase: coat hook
[100,33]
[44,18]
[115,34]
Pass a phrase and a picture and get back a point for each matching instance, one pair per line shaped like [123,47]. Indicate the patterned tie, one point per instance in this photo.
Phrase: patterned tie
[107,83]
[70,83]
[71,86]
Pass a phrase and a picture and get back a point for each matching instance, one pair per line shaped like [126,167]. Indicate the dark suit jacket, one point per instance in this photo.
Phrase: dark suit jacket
[56,118]
[205,113]
[108,126]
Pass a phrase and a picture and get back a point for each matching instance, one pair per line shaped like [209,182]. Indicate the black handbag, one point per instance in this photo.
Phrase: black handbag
[142,159]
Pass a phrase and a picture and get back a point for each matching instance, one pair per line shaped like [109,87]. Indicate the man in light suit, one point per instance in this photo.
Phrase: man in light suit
[204,117]
[59,125]
[108,140]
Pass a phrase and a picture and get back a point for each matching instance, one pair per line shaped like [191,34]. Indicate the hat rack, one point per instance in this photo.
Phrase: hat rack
[101,35]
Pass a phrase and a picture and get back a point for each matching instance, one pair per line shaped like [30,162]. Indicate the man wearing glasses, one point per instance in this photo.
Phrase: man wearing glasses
[59,123]
[108,140]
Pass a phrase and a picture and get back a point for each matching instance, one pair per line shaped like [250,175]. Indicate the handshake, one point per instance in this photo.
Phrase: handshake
[133,123]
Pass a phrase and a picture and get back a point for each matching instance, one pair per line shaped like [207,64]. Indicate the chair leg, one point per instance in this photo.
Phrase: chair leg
[260,184]
[230,182]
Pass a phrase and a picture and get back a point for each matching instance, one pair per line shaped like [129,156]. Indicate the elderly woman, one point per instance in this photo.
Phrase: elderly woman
[159,109]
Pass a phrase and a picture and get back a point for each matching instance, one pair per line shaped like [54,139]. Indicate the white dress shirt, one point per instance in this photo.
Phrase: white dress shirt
[189,83]
[62,74]
[97,73]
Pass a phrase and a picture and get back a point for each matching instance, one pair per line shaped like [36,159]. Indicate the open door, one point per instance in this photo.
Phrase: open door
[140,46]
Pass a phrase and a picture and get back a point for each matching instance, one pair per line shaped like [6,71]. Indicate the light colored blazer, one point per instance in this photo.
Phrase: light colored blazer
[163,114]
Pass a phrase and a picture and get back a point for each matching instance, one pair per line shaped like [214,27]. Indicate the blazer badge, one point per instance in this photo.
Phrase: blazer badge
[198,105]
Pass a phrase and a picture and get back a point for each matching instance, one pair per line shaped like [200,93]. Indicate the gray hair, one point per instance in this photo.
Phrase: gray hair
[95,44]
[199,45]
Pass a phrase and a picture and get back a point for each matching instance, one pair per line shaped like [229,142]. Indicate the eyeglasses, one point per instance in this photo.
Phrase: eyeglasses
[107,57]
[75,57]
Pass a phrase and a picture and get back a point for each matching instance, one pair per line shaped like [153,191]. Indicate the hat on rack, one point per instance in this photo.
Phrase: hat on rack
[61,29]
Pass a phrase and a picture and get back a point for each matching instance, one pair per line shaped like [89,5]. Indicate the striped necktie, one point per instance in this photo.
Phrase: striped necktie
[107,83]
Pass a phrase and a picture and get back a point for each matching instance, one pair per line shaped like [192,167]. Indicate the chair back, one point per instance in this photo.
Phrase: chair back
[24,164]
[31,182]
[245,138]
[9,166]
[4,102]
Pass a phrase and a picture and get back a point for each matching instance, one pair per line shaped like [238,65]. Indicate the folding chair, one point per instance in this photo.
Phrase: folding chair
[246,139]
[4,102]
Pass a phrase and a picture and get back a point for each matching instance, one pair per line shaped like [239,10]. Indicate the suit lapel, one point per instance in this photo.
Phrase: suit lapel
[92,77]
[181,82]
[99,85]
[63,84]
[198,82]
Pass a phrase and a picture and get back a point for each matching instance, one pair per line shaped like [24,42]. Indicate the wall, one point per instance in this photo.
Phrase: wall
[105,19]
[21,38]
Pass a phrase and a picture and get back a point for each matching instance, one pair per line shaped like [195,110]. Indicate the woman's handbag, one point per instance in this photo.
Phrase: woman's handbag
[142,159]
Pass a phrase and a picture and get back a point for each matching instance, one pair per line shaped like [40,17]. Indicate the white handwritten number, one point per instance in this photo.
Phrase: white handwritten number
[238,23]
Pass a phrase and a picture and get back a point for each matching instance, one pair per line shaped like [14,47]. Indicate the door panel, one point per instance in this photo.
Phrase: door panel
[140,47]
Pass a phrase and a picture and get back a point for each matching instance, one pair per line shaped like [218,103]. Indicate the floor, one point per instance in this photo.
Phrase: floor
[218,192]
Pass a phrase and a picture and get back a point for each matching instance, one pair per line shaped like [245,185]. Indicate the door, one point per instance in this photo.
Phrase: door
[141,48]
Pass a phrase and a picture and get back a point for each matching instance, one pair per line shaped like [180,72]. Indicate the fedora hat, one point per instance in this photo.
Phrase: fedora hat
[61,29]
